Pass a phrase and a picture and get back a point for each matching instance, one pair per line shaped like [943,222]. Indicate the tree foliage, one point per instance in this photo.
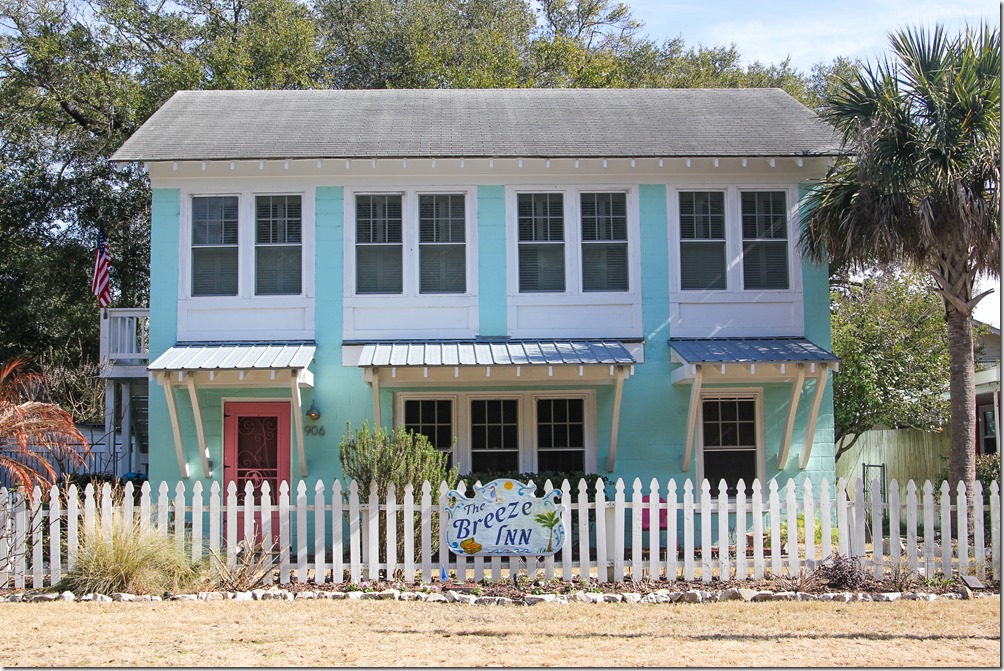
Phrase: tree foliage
[889,332]
[920,186]
[77,77]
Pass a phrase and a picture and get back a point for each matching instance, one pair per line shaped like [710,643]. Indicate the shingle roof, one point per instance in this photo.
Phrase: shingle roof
[216,356]
[495,353]
[550,123]
[749,350]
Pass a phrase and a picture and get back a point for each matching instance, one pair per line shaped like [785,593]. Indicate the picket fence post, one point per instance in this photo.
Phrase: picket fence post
[705,530]
[774,502]
[106,510]
[320,560]
[268,534]
[688,530]
[878,543]
[426,505]
[196,521]
[672,540]
[301,532]
[636,534]
[963,533]
[214,523]
[979,544]
[792,517]
[548,560]
[145,497]
[809,515]
[5,545]
[36,538]
[566,520]
[618,531]
[826,521]
[163,508]
[911,526]
[55,552]
[741,530]
[654,528]
[929,566]
[995,529]
[89,515]
[337,530]
[73,523]
[757,505]
[231,523]
[583,511]
[285,543]
[21,537]
[723,531]
[391,518]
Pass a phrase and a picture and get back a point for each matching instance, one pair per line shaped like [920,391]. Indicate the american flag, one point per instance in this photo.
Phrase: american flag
[101,284]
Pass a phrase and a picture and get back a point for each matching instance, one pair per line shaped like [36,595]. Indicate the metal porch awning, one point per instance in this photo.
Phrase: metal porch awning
[202,365]
[515,362]
[708,361]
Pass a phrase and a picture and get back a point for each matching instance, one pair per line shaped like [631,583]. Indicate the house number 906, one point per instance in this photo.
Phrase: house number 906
[314,430]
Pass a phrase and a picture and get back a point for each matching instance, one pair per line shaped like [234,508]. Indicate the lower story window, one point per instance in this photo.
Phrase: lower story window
[730,445]
[432,418]
[561,439]
[494,435]
[524,432]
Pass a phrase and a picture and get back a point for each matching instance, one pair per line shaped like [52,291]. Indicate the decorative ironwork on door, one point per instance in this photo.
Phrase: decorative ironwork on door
[257,452]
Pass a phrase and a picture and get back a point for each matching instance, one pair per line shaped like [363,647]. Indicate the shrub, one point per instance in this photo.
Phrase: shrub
[396,458]
[842,572]
[130,559]
[254,563]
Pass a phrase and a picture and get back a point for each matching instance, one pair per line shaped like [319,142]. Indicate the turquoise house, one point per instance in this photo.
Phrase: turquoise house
[605,281]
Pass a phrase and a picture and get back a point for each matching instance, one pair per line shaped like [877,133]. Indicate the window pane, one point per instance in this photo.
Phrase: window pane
[378,269]
[702,215]
[560,434]
[214,246]
[604,216]
[702,265]
[730,465]
[765,236]
[378,219]
[214,271]
[540,217]
[494,435]
[432,418]
[604,266]
[541,267]
[443,269]
[277,270]
[441,218]
[765,265]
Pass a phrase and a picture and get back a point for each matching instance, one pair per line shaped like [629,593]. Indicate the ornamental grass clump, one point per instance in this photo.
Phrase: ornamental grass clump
[133,559]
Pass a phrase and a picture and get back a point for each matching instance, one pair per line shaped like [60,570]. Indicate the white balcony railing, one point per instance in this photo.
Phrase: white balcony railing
[125,337]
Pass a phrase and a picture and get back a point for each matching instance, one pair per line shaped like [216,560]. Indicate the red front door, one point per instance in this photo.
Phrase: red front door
[256,450]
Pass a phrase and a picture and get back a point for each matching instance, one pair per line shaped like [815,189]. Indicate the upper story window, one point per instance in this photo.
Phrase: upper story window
[541,225]
[278,242]
[379,244]
[604,241]
[765,239]
[442,252]
[571,242]
[702,240]
[214,245]
[411,243]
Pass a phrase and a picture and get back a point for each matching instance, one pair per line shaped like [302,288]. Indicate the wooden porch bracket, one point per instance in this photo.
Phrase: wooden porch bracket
[375,385]
[695,399]
[297,409]
[810,427]
[615,420]
[172,411]
[200,431]
[796,394]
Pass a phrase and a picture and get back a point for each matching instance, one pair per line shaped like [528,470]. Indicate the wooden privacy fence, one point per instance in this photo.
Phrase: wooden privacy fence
[331,535]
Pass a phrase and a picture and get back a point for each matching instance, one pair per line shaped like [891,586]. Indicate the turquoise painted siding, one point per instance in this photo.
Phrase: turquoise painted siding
[492,320]
[164,243]
[653,410]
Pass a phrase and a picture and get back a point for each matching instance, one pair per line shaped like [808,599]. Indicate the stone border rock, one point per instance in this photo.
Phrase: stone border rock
[453,596]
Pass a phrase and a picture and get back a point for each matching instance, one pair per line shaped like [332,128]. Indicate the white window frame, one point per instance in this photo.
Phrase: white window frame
[254,244]
[734,290]
[678,265]
[527,409]
[790,213]
[572,206]
[246,217]
[410,266]
[756,394]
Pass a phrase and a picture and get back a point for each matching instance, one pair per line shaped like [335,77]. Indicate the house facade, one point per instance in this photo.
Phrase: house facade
[605,281]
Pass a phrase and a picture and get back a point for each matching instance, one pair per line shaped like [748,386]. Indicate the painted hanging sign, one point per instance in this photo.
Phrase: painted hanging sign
[504,518]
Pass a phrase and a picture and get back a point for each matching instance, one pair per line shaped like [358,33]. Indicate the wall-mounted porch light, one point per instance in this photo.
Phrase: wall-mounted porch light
[312,412]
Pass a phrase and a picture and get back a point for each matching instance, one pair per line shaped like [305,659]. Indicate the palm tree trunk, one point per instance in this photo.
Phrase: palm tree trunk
[962,386]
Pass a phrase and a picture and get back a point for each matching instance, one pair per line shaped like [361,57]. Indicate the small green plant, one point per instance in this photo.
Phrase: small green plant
[131,558]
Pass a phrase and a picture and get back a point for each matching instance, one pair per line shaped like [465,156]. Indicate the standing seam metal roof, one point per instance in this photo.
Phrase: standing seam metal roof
[549,123]
[263,356]
[749,350]
[510,353]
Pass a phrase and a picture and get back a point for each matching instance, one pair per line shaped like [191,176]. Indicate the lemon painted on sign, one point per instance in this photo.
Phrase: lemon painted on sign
[504,518]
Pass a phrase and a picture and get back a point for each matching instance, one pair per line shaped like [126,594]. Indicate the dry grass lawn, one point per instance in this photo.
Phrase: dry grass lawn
[374,633]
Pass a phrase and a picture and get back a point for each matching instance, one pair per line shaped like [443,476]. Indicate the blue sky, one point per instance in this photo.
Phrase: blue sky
[812,32]
[807,31]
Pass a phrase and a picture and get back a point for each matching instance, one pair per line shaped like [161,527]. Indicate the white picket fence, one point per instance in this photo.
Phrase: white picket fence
[331,535]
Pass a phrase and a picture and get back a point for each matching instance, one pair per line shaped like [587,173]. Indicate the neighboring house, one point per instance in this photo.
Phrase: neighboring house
[988,400]
[574,280]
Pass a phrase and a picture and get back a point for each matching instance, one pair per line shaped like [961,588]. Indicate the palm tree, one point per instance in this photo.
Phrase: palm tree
[548,520]
[918,186]
[34,436]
